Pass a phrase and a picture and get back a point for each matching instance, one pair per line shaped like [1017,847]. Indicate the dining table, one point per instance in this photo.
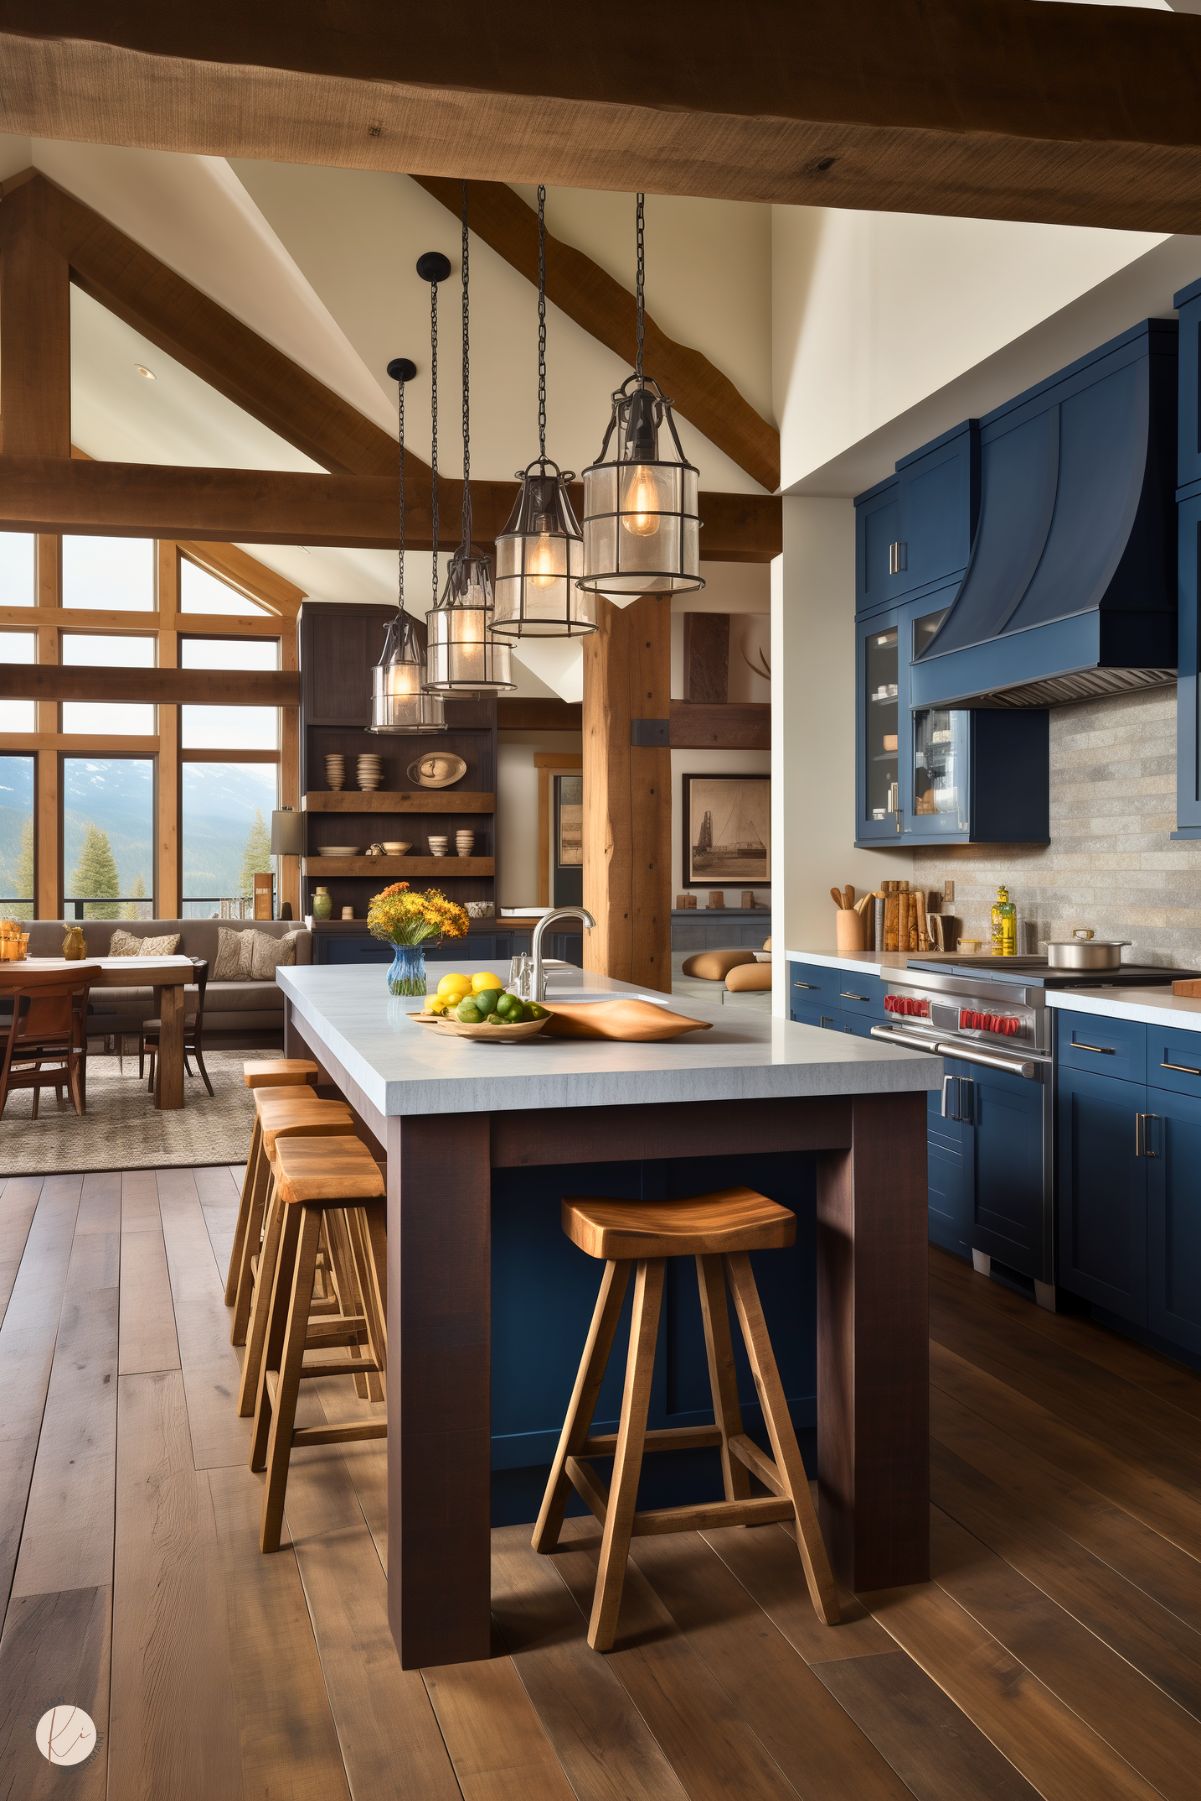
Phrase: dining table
[168,977]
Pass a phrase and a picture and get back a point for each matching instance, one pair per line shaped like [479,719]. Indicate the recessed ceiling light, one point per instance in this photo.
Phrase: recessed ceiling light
[145,373]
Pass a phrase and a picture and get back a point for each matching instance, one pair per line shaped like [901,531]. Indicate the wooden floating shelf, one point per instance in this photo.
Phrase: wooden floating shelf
[389,868]
[422,800]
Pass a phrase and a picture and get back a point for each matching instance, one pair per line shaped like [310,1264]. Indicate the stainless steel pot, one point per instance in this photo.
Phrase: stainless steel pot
[1083,951]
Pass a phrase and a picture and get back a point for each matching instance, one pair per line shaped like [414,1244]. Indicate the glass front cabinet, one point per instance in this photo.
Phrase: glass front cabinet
[878,662]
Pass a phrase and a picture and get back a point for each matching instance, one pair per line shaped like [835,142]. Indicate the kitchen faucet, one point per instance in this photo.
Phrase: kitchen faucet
[538,973]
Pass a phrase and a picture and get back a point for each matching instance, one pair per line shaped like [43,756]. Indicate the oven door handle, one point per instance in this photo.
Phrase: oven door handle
[893,1035]
[1025,1067]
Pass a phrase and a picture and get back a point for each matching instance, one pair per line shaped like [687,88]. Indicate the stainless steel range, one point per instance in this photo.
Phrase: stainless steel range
[992,1126]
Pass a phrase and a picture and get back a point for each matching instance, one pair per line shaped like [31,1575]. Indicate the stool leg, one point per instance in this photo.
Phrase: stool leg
[719,1353]
[283,1413]
[627,1460]
[250,1244]
[278,1288]
[260,1312]
[346,1288]
[582,1405]
[235,1255]
[785,1450]
[368,1236]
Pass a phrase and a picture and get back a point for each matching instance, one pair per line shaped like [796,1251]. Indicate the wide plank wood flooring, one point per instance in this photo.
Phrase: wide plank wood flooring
[1057,1652]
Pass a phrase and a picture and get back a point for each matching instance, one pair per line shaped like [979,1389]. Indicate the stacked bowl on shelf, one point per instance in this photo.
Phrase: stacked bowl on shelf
[370,770]
[464,842]
[335,771]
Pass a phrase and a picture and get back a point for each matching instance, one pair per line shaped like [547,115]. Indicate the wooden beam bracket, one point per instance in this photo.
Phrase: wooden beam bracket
[646,734]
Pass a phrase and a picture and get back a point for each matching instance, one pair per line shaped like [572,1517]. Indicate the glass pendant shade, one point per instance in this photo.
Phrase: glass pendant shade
[641,519]
[399,703]
[462,655]
[539,560]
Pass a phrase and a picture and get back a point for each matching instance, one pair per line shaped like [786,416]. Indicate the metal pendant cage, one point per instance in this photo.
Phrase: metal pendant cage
[641,510]
[539,561]
[399,702]
[462,655]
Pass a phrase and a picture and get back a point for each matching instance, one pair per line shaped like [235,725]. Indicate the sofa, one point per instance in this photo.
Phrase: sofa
[245,1009]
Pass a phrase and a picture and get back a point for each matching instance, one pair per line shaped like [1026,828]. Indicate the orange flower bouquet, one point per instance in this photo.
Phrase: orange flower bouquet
[408,920]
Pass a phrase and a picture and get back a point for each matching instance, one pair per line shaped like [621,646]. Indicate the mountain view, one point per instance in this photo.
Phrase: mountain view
[226,809]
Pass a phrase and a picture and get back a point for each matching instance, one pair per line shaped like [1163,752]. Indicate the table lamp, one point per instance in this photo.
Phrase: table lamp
[287,840]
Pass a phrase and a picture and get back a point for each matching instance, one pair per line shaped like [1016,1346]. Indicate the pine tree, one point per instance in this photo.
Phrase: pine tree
[257,855]
[96,875]
[137,896]
[23,881]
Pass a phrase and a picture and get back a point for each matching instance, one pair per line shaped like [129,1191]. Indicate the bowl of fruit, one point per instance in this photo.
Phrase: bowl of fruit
[480,1006]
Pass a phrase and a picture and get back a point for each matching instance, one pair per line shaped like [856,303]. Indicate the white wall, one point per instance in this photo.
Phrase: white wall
[874,312]
[813,732]
[517,811]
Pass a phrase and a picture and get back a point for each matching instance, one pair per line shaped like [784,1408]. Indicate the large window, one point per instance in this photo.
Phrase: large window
[200,592]
[230,728]
[16,837]
[18,715]
[108,650]
[229,653]
[116,574]
[108,837]
[18,577]
[226,832]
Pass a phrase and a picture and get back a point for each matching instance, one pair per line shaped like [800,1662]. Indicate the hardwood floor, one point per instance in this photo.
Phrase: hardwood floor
[1057,1651]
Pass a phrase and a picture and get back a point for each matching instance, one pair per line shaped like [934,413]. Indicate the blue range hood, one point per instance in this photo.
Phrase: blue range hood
[1070,591]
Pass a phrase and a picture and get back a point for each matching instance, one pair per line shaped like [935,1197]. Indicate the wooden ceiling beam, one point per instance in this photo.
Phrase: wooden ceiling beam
[35,320]
[264,506]
[579,287]
[162,687]
[1080,115]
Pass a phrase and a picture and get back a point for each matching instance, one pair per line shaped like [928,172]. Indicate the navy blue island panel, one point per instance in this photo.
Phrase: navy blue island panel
[543,1293]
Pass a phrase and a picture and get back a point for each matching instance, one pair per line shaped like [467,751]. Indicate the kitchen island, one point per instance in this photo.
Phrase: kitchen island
[457,1118]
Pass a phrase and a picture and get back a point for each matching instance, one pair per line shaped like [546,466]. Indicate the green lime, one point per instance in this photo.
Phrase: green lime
[506,1004]
[468,1014]
[486,1000]
[534,1011]
[494,1019]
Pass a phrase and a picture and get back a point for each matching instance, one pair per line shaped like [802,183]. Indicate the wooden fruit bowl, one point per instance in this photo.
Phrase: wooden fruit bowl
[454,1028]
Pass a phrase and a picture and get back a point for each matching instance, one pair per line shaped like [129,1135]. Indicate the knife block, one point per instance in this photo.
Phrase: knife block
[848,930]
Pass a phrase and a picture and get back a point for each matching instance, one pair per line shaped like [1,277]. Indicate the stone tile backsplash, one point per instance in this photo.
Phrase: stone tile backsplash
[1111,863]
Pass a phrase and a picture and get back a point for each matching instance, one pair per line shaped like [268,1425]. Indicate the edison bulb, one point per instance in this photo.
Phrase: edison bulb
[542,571]
[402,680]
[640,512]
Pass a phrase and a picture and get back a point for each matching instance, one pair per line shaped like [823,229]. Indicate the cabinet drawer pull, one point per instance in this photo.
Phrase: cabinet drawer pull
[804,984]
[1142,1137]
[1098,1050]
[844,994]
[1185,1069]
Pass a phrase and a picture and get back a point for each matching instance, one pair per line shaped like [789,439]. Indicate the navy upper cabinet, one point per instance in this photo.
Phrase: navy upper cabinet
[1188,306]
[939,498]
[877,534]
[1188,681]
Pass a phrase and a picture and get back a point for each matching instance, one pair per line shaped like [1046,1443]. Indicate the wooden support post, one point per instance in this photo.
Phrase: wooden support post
[35,319]
[627,792]
[165,880]
[47,843]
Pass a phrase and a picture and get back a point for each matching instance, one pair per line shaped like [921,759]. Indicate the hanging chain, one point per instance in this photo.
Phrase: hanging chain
[640,279]
[541,323]
[400,433]
[434,428]
[466,254]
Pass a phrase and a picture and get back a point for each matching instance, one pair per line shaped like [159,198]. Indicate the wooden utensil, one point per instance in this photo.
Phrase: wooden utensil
[848,896]
[630,1022]
[836,896]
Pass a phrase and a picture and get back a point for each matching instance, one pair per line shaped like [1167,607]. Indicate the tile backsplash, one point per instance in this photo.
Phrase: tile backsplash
[1111,863]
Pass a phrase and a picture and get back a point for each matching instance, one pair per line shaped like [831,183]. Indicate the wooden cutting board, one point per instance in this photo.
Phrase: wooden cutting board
[630,1022]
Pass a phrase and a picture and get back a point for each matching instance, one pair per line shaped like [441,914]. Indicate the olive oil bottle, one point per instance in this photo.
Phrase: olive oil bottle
[1004,925]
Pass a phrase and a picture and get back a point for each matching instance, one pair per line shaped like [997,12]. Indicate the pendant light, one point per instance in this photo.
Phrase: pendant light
[641,523]
[462,654]
[540,553]
[399,702]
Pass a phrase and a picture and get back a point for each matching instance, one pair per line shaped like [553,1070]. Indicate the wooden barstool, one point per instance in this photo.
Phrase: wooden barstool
[260,1073]
[279,1116]
[315,1178]
[719,1230]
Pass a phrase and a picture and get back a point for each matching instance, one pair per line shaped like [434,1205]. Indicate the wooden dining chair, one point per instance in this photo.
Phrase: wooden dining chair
[43,1032]
[193,1034]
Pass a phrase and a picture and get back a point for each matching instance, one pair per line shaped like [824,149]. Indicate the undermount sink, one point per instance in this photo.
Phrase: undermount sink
[598,994]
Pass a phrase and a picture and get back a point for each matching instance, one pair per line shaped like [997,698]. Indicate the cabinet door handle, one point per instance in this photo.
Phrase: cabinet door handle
[892,558]
[804,984]
[946,1084]
[1105,1050]
[1138,1134]
[1146,1119]
[902,556]
[1185,1069]
[844,994]
[966,1111]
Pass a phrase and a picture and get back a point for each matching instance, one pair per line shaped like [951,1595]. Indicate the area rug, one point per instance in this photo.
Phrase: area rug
[122,1128]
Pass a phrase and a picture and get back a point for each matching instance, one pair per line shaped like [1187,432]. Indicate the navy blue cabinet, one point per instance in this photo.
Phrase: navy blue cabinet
[1102,1192]
[1188,683]
[877,533]
[938,492]
[1188,418]
[1173,1159]
[1004,1113]
[949,1147]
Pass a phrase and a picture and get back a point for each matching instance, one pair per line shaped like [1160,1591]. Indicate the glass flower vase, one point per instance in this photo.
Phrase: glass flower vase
[406,972]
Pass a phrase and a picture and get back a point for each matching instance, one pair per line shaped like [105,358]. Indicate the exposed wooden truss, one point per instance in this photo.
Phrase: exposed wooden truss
[159,686]
[1000,109]
[579,287]
[265,506]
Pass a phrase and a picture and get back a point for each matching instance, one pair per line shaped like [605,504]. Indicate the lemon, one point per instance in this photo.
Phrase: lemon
[456,985]
[435,1003]
[483,978]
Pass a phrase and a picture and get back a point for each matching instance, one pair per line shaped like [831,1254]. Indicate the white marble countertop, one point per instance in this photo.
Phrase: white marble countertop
[1151,1006]
[402,1069]
[872,963]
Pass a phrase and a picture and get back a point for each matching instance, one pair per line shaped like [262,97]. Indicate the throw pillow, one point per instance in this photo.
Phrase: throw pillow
[267,954]
[129,944]
[233,949]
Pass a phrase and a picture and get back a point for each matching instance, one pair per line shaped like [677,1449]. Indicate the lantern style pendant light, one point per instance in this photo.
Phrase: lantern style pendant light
[540,553]
[399,702]
[462,655]
[641,524]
